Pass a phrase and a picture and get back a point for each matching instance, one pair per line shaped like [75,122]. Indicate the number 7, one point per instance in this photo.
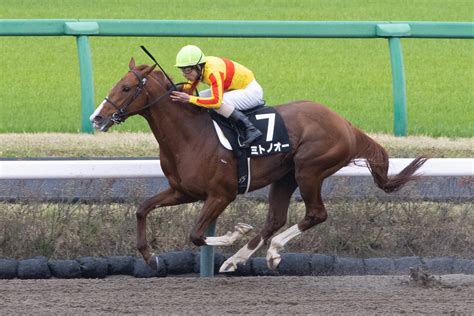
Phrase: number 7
[271,124]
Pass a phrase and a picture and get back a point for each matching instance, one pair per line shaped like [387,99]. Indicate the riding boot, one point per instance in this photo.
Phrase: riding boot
[246,129]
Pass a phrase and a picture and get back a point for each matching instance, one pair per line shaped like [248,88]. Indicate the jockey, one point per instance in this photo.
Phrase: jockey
[232,88]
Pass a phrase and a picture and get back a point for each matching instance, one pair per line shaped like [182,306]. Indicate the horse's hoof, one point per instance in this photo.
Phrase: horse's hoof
[228,267]
[198,241]
[243,228]
[154,262]
[274,261]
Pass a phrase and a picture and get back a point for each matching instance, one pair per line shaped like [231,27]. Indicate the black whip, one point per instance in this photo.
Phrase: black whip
[156,63]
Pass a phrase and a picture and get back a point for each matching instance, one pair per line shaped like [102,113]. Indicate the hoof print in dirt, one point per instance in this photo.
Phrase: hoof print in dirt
[421,276]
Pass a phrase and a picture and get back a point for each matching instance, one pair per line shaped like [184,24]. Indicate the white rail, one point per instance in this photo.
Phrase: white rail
[137,168]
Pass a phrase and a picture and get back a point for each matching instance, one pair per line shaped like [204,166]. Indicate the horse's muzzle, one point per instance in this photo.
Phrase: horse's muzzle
[98,122]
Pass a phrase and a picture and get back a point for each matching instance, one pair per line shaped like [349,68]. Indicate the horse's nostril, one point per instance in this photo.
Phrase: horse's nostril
[98,119]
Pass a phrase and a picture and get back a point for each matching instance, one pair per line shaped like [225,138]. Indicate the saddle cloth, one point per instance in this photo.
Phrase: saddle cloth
[274,140]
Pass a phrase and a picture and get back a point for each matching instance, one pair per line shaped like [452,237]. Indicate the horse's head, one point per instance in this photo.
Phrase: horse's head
[126,98]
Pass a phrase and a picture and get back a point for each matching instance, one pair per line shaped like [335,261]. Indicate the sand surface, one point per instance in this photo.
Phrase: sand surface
[239,295]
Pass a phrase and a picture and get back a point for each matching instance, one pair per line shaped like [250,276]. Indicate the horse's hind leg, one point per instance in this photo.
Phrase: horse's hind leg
[279,200]
[309,174]
[315,214]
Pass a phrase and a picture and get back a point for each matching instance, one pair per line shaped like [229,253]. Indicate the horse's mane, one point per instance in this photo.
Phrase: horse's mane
[159,74]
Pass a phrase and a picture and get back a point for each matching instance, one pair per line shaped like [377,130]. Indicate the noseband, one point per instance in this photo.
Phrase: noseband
[121,113]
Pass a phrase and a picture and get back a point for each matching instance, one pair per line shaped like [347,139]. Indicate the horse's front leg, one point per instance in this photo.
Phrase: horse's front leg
[168,197]
[212,208]
[228,239]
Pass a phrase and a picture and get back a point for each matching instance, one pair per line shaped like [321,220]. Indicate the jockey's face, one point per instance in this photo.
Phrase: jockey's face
[190,73]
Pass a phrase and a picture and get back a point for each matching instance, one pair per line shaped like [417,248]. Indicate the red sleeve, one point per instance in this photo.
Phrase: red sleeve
[217,90]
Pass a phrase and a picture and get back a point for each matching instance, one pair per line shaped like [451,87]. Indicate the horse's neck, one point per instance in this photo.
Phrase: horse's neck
[177,127]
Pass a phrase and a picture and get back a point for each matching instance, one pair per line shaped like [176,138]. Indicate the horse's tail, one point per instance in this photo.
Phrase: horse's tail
[377,162]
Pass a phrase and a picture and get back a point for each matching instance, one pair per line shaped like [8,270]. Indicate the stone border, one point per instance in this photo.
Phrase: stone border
[187,262]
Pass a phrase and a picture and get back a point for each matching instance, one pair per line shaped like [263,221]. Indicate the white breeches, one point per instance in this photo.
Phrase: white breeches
[242,99]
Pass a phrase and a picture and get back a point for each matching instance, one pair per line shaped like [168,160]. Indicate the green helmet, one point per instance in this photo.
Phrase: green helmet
[190,55]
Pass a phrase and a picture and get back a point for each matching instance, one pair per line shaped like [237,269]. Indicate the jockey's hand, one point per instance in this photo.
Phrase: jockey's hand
[179,96]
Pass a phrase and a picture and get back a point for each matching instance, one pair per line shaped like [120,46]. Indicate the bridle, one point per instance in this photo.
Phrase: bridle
[121,113]
[119,116]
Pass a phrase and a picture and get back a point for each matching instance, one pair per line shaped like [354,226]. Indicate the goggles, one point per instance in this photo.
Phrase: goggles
[187,70]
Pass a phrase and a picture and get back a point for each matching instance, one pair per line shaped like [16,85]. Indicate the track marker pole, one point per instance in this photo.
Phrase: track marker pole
[207,255]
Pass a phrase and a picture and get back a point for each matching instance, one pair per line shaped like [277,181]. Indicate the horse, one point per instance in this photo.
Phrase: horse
[198,168]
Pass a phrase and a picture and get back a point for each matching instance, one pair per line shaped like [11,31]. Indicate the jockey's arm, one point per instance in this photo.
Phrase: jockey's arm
[217,90]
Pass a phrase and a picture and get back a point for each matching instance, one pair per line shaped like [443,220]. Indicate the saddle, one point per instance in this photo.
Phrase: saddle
[275,139]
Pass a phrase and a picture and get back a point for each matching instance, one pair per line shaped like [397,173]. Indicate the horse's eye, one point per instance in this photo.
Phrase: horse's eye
[125,88]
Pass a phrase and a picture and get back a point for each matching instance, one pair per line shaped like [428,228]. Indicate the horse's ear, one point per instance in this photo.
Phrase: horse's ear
[131,64]
[148,70]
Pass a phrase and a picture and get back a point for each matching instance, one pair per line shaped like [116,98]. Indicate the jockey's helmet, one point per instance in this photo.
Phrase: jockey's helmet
[190,56]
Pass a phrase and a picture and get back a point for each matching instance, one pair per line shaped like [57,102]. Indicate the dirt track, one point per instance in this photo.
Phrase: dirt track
[232,295]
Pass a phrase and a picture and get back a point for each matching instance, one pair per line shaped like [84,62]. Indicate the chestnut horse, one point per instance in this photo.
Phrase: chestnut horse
[198,168]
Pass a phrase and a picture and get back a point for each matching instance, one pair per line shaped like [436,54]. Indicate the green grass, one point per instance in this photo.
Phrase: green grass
[40,89]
